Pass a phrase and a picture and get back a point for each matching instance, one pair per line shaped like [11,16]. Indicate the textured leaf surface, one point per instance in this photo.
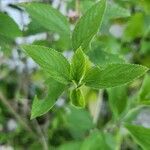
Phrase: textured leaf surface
[101,58]
[133,31]
[88,25]
[78,65]
[40,107]
[117,99]
[79,122]
[114,11]
[113,75]
[144,95]
[34,28]
[97,141]
[47,17]
[53,62]
[77,98]
[8,27]
[140,134]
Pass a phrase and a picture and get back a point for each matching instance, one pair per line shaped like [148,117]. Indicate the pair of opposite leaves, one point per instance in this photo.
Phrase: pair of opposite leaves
[80,70]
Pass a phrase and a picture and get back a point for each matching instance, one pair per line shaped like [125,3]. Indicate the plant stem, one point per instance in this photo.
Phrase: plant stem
[78,7]
[41,134]
[22,122]
[119,140]
[98,107]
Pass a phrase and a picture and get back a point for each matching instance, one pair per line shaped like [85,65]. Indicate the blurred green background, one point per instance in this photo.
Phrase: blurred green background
[124,33]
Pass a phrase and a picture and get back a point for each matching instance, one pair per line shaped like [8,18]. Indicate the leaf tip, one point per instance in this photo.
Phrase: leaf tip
[33,115]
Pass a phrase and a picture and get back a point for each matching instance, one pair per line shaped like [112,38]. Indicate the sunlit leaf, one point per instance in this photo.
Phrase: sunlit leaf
[88,25]
[113,75]
[53,62]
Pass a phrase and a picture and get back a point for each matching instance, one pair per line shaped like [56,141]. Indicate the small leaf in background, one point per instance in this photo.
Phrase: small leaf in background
[53,62]
[85,5]
[135,27]
[140,134]
[77,98]
[34,28]
[78,65]
[47,17]
[40,107]
[88,26]
[146,6]
[113,11]
[5,44]
[8,28]
[101,58]
[113,75]
[145,47]
[144,94]
[70,146]
[98,140]
[79,122]
[117,100]
[138,115]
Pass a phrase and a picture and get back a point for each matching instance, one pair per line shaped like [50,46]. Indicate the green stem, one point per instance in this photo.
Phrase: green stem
[118,140]
[42,136]
[98,107]
[78,7]
[20,119]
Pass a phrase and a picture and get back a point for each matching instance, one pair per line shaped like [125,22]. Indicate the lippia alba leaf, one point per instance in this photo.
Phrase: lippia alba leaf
[140,134]
[88,25]
[47,17]
[8,27]
[53,62]
[77,98]
[40,107]
[113,75]
[78,65]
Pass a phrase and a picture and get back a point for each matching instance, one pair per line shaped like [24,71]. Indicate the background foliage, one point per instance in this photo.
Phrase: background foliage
[113,118]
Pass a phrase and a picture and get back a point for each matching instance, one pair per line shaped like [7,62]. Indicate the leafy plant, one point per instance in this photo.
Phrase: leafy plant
[81,71]
[86,82]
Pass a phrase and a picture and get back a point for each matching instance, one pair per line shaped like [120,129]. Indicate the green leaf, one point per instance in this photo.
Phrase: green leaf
[144,94]
[78,65]
[135,27]
[85,5]
[77,98]
[53,62]
[75,145]
[8,28]
[5,44]
[34,28]
[101,58]
[47,17]
[88,25]
[40,107]
[113,75]
[140,134]
[145,47]
[136,114]
[113,11]
[98,140]
[79,130]
[117,100]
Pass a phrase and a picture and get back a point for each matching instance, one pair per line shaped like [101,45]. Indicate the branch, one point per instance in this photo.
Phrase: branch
[98,107]
[20,120]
